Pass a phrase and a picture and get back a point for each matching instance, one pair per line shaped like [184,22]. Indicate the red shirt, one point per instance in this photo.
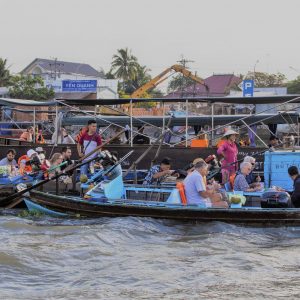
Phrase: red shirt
[89,143]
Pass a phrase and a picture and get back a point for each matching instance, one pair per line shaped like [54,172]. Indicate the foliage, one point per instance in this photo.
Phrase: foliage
[262,79]
[28,87]
[293,87]
[145,104]
[124,65]
[179,82]
[4,73]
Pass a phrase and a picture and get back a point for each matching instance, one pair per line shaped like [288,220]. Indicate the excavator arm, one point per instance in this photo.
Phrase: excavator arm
[160,78]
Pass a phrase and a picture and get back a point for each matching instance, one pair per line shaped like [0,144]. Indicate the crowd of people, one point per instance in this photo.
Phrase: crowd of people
[239,177]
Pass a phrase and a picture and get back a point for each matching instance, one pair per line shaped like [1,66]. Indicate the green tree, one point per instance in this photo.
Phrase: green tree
[179,82]
[28,87]
[262,79]
[124,65]
[293,86]
[4,73]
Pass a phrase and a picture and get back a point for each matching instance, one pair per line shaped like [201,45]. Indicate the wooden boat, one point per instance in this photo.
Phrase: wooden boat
[8,186]
[156,202]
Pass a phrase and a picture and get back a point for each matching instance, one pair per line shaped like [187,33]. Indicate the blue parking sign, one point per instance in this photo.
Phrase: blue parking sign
[248,88]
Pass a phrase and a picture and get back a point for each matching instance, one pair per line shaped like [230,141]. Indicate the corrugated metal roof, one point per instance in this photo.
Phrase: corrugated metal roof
[65,67]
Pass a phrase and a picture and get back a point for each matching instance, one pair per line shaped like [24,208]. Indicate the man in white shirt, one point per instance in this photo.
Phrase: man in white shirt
[195,188]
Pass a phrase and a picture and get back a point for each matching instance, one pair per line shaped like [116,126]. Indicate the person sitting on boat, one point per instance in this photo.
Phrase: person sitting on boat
[10,162]
[251,178]
[229,151]
[27,135]
[66,153]
[158,173]
[40,138]
[196,190]
[63,137]
[240,182]
[295,176]
[245,141]
[273,142]
[88,142]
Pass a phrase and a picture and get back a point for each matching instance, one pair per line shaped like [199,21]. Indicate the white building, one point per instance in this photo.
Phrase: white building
[82,80]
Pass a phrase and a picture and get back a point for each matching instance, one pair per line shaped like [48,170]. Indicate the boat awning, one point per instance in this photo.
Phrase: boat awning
[226,100]
[23,102]
[201,120]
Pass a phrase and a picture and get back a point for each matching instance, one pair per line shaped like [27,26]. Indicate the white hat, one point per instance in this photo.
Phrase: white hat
[230,132]
[31,152]
[39,149]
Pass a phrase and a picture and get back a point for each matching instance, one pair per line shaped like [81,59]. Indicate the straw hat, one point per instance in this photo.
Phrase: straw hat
[230,132]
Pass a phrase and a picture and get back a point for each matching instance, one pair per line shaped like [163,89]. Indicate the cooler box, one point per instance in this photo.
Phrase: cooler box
[199,143]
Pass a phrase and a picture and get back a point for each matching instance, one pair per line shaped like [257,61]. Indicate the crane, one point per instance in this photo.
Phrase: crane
[160,78]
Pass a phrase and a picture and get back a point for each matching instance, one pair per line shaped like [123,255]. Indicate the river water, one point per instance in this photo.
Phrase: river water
[143,258]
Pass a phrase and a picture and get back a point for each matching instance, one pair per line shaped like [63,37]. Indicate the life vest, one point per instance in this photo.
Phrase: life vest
[22,165]
[231,180]
[180,188]
[81,132]
[40,139]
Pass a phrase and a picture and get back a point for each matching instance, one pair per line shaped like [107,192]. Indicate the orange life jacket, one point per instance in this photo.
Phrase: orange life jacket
[231,179]
[180,187]
[23,168]
[81,132]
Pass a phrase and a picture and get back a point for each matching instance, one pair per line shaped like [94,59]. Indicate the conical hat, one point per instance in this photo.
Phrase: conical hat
[230,132]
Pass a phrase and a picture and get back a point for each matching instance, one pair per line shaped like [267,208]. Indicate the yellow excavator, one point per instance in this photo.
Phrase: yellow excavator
[160,78]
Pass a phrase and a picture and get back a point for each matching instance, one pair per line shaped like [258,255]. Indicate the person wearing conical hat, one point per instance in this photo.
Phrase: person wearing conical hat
[229,152]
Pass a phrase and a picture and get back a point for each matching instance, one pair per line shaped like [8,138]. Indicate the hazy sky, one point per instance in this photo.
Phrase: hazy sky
[220,36]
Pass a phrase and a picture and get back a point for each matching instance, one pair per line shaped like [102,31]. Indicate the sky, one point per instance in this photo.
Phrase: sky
[218,36]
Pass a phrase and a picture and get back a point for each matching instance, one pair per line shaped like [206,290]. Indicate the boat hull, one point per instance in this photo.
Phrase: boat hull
[121,208]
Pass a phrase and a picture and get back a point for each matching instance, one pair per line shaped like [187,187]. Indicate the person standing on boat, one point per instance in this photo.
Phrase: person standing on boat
[295,176]
[88,142]
[158,173]
[229,151]
[196,190]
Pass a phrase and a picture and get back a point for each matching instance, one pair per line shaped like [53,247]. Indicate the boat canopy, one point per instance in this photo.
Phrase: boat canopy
[226,100]
[181,121]
[23,102]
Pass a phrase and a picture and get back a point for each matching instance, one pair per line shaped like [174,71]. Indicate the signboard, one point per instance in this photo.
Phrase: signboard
[248,88]
[79,85]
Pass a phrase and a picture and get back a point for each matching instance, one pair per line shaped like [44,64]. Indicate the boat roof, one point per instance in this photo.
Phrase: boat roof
[88,102]
[226,100]
[181,121]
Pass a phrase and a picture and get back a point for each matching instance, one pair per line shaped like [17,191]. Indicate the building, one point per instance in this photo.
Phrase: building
[73,80]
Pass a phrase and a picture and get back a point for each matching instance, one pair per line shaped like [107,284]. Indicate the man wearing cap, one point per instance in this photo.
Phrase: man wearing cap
[229,151]
[24,159]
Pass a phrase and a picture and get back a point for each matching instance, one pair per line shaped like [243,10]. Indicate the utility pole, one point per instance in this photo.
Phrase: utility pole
[56,66]
[184,63]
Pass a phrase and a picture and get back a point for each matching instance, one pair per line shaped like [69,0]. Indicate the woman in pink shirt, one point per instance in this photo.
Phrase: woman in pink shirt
[229,151]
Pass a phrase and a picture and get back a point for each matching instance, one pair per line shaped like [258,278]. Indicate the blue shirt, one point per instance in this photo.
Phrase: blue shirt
[149,177]
[193,185]
[240,183]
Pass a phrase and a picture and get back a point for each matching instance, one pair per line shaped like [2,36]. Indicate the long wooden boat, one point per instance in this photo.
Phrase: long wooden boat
[74,206]
[112,199]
